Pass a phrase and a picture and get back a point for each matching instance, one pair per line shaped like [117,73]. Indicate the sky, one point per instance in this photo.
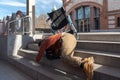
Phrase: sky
[7,7]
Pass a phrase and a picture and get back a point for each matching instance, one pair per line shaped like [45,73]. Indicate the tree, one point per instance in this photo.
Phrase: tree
[41,21]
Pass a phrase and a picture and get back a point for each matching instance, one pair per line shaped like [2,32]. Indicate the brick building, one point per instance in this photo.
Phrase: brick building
[94,15]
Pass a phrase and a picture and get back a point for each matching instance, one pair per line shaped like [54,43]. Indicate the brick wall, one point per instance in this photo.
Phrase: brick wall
[113,5]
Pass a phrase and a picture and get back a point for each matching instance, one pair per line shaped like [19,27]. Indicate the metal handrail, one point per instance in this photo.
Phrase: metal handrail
[22,18]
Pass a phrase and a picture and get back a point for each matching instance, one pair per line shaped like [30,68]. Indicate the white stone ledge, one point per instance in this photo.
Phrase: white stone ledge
[100,33]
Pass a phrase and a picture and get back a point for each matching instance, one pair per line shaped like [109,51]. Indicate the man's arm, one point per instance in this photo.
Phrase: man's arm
[46,44]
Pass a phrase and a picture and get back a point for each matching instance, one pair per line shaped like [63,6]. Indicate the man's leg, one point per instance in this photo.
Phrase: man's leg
[68,46]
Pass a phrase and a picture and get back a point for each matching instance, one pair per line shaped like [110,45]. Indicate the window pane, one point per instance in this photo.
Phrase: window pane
[118,21]
[87,12]
[80,13]
[96,12]
[96,23]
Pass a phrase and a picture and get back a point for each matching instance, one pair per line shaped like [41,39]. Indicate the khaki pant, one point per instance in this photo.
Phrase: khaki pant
[67,50]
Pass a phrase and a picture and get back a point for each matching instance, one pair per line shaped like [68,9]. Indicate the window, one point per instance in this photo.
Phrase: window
[83,12]
[96,18]
[82,19]
[118,22]
[96,12]
[96,22]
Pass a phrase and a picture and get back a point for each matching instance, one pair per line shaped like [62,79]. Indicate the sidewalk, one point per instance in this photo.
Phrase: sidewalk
[8,72]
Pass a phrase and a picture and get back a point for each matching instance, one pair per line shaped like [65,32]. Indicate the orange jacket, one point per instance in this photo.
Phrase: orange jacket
[51,40]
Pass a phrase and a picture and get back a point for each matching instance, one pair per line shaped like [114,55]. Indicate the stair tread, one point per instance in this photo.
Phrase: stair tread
[91,41]
[110,54]
[29,51]
[36,44]
[81,50]
[99,33]
[108,70]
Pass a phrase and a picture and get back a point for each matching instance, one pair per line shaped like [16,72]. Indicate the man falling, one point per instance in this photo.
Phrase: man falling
[66,42]
[62,45]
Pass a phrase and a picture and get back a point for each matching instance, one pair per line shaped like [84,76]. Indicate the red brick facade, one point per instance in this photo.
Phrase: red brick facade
[103,13]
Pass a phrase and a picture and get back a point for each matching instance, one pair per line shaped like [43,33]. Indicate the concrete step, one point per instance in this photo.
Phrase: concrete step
[39,71]
[33,46]
[103,58]
[101,72]
[100,36]
[105,46]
